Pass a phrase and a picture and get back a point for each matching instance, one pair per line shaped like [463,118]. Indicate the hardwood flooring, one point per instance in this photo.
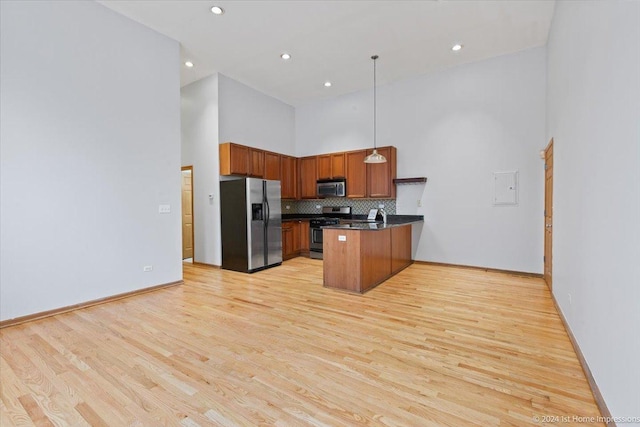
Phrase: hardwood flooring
[434,345]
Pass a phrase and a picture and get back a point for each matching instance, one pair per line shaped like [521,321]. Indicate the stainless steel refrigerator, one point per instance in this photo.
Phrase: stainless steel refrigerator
[251,224]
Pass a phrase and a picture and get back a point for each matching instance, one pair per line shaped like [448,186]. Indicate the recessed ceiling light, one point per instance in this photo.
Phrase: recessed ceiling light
[188,64]
[327,84]
[456,47]
[217,10]
[285,56]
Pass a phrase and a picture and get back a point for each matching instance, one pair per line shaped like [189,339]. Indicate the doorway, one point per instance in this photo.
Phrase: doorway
[187,213]
[548,213]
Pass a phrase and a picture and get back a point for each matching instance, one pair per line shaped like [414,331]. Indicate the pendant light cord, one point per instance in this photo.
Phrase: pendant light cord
[374,57]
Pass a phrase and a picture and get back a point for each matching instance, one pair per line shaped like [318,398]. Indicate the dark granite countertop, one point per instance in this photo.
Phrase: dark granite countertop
[392,220]
[298,217]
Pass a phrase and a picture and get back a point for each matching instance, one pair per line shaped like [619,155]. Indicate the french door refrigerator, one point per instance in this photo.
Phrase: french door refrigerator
[251,224]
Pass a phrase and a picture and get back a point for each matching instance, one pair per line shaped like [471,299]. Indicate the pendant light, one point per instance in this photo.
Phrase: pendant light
[374,157]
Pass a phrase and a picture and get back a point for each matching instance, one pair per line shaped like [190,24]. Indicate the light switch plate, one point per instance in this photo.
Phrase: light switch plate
[342,238]
[164,208]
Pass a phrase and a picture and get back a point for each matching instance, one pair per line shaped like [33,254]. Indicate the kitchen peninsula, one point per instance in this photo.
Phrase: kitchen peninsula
[359,256]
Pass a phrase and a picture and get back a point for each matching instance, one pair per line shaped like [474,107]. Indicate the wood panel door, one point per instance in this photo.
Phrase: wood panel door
[380,176]
[272,166]
[187,212]
[288,177]
[288,244]
[256,162]
[305,237]
[548,213]
[337,165]
[234,159]
[308,178]
[356,171]
[400,248]
[331,166]
[324,166]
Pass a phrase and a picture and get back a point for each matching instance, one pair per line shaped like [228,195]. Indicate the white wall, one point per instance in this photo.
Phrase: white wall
[249,117]
[593,115]
[200,150]
[455,127]
[219,109]
[89,148]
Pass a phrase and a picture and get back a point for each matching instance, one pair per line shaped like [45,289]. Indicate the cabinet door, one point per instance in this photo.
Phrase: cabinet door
[308,178]
[271,165]
[256,162]
[304,237]
[288,177]
[296,237]
[337,165]
[324,166]
[356,171]
[400,248]
[380,176]
[287,240]
[331,166]
[234,159]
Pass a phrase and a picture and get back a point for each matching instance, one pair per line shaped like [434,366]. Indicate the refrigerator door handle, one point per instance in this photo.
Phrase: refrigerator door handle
[266,204]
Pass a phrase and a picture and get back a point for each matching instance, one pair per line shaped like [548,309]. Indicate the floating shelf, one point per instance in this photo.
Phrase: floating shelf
[420,180]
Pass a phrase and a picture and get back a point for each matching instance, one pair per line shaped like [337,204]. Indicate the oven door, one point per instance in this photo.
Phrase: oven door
[315,242]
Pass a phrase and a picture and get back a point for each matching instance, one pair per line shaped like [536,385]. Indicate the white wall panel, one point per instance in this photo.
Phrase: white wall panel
[455,127]
[593,112]
[199,107]
[89,148]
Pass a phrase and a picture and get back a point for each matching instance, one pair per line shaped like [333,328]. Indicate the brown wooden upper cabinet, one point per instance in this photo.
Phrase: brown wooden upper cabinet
[298,176]
[256,162]
[289,177]
[356,170]
[308,177]
[371,180]
[238,159]
[331,166]
[380,176]
[272,165]
[234,159]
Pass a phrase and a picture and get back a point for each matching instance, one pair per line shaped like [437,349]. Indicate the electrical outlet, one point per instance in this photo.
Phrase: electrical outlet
[287,207]
[569,295]
[318,206]
[419,203]
[147,268]
[164,208]
[381,206]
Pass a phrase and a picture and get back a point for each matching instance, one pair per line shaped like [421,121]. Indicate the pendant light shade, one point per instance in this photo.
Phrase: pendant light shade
[374,157]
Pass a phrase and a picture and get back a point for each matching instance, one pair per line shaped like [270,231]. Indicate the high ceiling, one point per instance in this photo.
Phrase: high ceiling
[334,40]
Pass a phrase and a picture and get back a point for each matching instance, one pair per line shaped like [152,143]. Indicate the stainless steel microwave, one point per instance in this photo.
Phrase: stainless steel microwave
[331,188]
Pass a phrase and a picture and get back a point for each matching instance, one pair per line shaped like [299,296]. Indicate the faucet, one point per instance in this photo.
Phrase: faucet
[383,214]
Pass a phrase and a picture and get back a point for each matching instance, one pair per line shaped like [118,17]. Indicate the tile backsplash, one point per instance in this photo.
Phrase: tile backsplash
[358,206]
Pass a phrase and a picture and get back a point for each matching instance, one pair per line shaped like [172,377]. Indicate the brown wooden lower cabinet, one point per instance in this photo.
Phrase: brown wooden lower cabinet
[295,238]
[304,237]
[288,248]
[400,248]
[356,260]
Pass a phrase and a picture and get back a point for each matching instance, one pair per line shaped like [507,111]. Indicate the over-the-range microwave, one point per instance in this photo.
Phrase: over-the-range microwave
[331,188]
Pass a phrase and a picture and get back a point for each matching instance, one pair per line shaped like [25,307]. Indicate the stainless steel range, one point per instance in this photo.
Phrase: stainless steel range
[331,215]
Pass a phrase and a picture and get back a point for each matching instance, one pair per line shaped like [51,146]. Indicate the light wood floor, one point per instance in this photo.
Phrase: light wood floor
[433,345]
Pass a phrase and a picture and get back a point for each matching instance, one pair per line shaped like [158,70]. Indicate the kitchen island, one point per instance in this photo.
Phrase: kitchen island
[359,256]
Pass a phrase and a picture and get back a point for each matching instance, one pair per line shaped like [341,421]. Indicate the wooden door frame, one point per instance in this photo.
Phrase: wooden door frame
[548,220]
[193,219]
